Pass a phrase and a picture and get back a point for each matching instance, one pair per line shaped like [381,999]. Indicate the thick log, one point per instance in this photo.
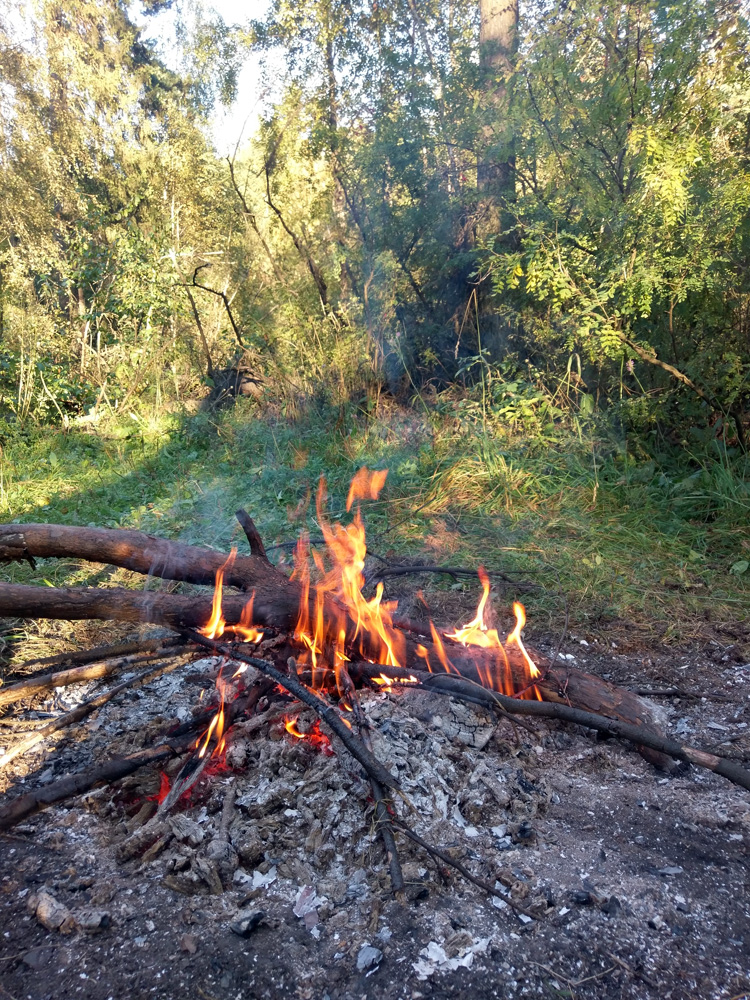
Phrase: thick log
[133,550]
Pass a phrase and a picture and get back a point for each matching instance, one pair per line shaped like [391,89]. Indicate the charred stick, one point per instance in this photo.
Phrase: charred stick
[75,784]
[86,708]
[257,548]
[325,712]
[385,829]
[382,817]
[458,687]
[94,655]
[77,675]
[448,860]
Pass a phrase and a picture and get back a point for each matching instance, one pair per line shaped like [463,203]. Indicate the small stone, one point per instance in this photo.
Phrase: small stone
[189,943]
[246,922]
[368,957]
[53,915]
[611,906]
[250,848]
[656,923]
[92,920]
[37,958]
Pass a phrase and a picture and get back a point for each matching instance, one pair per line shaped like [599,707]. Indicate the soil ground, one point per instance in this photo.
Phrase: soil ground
[637,880]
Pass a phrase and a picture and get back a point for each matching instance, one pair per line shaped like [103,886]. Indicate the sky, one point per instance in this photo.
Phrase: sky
[229,125]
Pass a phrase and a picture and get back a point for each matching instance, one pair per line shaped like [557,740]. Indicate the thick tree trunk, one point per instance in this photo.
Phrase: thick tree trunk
[496,167]
[498,41]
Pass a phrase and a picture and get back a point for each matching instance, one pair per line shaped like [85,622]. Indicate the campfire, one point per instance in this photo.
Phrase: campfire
[325,672]
[324,648]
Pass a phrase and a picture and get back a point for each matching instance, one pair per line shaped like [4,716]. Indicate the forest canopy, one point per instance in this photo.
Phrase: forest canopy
[444,193]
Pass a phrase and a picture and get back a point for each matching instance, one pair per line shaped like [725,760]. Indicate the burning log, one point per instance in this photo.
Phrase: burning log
[280,608]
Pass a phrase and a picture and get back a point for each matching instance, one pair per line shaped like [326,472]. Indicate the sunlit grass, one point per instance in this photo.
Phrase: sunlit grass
[636,550]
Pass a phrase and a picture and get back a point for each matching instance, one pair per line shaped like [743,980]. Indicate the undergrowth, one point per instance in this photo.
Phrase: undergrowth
[635,547]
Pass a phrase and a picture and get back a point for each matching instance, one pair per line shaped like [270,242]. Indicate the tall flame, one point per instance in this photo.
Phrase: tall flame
[366,485]
[216,623]
[476,633]
[351,624]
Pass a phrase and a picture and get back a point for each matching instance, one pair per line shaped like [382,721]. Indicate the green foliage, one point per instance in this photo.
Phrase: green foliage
[631,219]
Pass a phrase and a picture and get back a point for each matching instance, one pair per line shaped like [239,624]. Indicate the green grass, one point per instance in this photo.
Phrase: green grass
[641,549]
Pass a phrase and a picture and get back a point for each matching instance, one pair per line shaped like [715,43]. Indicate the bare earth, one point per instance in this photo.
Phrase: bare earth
[637,881]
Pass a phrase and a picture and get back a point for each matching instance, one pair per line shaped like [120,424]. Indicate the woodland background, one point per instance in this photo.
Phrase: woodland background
[502,250]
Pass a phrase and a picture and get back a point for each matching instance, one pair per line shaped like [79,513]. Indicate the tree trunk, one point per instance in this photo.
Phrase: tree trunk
[496,166]
[498,42]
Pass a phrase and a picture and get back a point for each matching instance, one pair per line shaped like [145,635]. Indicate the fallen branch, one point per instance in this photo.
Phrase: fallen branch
[81,656]
[252,534]
[84,709]
[459,687]
[276,604]
[382,813]
[77,675]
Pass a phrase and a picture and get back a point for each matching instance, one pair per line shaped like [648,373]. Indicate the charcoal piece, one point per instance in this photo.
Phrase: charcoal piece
[246,922]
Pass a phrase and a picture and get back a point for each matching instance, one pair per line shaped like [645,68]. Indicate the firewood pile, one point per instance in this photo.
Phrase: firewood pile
[287,755]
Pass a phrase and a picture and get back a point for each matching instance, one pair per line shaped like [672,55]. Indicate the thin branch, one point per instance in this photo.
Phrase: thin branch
[94,655]
[250,216]
[252,534]
[641,736]
[201,332]
[77,675]
[448,860]
[224,299]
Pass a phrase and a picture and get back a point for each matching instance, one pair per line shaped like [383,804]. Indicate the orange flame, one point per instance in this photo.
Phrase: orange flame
[216,623]
[313,736]
[476,633]
[366,485]
[347,549]
[440,650]
[245,627]
[216,726]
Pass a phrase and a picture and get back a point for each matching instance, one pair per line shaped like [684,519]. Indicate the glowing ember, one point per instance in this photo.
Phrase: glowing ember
[164,786]
[313,736]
